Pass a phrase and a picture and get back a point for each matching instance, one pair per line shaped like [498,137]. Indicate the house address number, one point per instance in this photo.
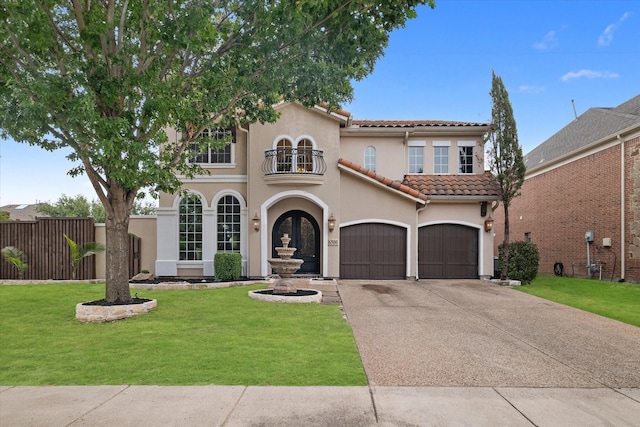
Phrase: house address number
[333,242]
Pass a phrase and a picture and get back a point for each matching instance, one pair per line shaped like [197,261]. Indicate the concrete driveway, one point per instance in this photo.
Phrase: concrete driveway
[475,333]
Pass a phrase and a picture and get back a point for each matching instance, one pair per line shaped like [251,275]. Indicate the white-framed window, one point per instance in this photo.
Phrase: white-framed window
[440,159]
[416,156]
[284,153]
[304,156]
[205,154]
[465,156]
[370,158]
[190,228]
[228,227]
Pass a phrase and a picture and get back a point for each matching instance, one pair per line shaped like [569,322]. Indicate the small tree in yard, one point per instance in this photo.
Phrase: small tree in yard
[16,257]
[504,158]
[80,251]
[106,78]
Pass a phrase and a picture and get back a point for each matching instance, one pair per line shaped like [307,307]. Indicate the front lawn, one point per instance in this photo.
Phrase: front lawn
[194,337]
[620,301]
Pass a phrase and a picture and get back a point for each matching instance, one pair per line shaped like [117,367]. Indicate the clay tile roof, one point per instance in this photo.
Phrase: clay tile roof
[396,185]
[454,185]
[412,123]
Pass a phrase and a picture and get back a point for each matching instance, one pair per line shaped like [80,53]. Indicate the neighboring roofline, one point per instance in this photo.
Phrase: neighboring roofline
[586,150]
[385,183]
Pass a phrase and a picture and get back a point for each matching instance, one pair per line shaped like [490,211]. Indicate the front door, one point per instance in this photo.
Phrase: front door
[304,232]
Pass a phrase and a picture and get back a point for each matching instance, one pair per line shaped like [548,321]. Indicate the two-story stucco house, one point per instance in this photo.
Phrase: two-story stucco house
[359,198]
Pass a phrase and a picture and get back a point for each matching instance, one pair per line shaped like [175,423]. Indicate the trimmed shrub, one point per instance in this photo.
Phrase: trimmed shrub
[227,265]
[523,261]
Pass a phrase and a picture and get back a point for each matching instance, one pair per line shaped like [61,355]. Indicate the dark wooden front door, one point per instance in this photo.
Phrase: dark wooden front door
[448,251]
[304,232]
[373,251]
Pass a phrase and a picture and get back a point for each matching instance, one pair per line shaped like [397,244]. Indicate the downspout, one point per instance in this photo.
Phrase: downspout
[417,239]
[622,207]
[406,153]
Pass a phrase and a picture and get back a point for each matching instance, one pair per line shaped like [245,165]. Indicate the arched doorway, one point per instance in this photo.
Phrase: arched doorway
[305,237]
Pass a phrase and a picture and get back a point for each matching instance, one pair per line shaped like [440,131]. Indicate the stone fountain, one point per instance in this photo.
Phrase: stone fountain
[285,266]
[283,289]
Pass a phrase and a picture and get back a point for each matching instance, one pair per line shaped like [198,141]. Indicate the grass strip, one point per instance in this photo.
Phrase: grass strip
[192,338]
[619,301]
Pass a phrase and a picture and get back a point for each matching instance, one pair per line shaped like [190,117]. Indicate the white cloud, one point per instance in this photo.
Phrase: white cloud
[589,74]
[549,41]
[530,89]
[606,37]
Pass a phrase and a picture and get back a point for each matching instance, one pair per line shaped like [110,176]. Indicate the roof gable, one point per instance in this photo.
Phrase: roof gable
[592,126]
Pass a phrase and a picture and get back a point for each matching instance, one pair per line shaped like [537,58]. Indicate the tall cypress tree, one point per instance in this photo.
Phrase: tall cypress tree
[504,158]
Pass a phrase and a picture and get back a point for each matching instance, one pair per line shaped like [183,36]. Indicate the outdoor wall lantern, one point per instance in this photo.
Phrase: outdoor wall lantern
[488,224]
[256,222]
[332,222]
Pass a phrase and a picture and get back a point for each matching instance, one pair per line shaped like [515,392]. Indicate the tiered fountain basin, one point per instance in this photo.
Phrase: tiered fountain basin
[284,289]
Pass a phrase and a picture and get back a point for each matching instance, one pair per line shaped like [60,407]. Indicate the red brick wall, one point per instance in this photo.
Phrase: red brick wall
[632,214]
[559,206]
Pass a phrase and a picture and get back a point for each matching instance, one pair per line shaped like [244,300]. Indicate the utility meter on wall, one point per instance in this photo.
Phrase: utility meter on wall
[588,236]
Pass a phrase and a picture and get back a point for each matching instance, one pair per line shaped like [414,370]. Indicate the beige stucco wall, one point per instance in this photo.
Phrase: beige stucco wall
[143,227]
[271,198]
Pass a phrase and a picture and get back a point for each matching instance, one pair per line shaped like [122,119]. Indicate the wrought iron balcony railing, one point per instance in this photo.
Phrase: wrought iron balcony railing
[294,161]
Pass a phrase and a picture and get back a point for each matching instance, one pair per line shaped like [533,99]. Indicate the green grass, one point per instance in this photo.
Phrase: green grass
[619,301]
[192,338]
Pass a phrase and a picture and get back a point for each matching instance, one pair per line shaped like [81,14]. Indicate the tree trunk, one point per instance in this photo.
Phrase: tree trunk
[117,251]
[505,245]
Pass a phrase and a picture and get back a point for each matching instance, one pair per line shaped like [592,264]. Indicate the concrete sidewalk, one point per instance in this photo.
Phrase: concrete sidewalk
[316,406]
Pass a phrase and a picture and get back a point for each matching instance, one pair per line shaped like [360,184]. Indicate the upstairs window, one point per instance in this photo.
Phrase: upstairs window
[465,154]
[416,156]
[440,159]
[304,156]
[190,224]
[284,153]
[211,155]
[228,239]
[370,158]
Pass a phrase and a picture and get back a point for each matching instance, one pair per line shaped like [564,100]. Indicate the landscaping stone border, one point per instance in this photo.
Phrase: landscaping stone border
[108,313]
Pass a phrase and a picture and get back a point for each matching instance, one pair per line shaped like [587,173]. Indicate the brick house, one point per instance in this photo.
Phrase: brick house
[585,178]
[359,198]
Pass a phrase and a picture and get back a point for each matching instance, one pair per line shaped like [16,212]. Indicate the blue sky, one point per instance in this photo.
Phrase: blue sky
[547,52]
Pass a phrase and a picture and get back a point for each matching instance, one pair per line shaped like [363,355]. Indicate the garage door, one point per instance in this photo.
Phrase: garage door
[448,251]
[373,251]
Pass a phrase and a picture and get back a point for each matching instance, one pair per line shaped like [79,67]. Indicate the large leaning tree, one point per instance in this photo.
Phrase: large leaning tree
[504,157]
[107,77]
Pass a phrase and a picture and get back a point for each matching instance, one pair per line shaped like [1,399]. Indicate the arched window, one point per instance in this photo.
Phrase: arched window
[228,239]
[284,155]
[370,158]
[190,224]
[305,156]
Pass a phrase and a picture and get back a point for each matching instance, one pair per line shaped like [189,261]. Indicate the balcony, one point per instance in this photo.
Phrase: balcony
[294,165]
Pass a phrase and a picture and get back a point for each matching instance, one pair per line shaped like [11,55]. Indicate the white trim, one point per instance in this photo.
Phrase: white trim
[406,226]
[215,179]
[274,144]
[417,143]
[314,145]
[466,143]
[264,236]
[481,237]
[441,144]
[178,198]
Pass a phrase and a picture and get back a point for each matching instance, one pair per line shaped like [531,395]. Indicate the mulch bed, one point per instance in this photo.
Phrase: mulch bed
[104,303]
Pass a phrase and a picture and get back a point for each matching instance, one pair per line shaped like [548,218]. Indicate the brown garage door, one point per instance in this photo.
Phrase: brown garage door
[448,251]
[373,251]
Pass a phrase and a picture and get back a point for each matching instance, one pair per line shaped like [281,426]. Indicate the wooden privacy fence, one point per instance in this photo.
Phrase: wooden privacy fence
[47,253]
